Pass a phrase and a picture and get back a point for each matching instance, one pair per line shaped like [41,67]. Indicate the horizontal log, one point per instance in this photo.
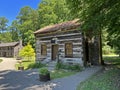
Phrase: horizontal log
[63,35]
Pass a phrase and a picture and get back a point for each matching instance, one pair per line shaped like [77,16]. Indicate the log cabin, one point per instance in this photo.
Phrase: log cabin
[10,49]
[65,42]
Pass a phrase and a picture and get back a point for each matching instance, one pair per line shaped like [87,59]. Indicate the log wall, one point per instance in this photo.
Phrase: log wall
[75,37]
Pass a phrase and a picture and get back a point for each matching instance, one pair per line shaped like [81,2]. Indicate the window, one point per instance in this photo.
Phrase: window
[68,50]
[43,49]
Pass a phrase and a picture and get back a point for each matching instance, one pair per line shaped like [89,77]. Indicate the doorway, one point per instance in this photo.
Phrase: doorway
[4,54]
[54,51]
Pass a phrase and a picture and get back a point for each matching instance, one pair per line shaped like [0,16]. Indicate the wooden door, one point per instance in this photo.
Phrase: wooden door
[4,54]
[54,51]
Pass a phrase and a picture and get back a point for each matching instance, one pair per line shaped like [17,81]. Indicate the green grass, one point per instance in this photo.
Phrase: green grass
[108,79]
[29,64]
[114,60]
[61,73]
[1,60]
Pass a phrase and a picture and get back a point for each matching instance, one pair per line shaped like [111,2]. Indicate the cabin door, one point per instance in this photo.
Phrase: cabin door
[4,54]
[54,51]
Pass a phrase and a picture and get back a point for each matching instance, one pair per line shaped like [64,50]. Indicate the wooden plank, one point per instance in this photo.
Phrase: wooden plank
[73,39]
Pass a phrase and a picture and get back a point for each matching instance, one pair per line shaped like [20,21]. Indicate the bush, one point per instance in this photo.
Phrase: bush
[107,50]
[43,71]
[36,65]
[75,67]
[1,60]
[59,66]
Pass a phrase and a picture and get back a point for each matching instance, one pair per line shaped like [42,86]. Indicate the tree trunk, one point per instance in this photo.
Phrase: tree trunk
[90,47]
[100,48]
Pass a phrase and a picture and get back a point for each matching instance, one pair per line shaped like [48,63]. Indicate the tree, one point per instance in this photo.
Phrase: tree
[52,12]
[28,21]
[13,29]
[3,24]
[27,52]
[97,15]
[5,35]
[113,41]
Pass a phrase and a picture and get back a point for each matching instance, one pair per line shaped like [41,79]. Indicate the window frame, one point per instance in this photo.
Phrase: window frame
[68,55]
[43,53]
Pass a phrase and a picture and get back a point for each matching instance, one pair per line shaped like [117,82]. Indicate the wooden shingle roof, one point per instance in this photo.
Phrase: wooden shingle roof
[8,44]
[60,26]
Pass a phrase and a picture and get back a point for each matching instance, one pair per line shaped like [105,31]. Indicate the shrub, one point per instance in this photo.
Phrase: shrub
[43,71]
[1,60]
[75,67]
[36,65]
[59,66]
[27,52]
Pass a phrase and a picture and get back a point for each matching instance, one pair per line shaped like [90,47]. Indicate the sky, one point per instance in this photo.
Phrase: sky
[11,8]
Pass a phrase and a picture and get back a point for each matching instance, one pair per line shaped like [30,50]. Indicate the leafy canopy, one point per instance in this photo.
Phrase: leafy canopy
[97,14]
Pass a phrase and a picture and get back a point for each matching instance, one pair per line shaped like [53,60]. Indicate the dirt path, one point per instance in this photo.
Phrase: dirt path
[7,64]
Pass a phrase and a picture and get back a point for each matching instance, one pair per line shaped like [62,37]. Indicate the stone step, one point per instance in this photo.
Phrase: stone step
[51,64]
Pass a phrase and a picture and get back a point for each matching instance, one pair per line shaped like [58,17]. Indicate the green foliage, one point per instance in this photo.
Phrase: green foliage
[59,66]
[114,42]
[52,12]
[107,50]
[27,52]
[108,79]
[13,29]
[97,14]
[102,81]
[75,67]
[28,22]
[43,71]
[114,60]
[1,60]
[3,24]
[5,37]
[61,73]
[35,65]
[31,64]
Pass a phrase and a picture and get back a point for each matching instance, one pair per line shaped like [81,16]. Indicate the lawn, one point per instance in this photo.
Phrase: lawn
[108,79]
[54,74]
[29,64]
[1,60]
[61,73]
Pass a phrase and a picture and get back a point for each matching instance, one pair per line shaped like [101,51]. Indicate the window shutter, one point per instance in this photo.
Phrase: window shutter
[68,50]
[43,49]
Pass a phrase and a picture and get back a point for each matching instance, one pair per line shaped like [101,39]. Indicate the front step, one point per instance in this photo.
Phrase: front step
[51,65]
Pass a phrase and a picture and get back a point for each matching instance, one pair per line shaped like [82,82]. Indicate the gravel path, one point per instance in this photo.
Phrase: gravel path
[7,64]
[28,80]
